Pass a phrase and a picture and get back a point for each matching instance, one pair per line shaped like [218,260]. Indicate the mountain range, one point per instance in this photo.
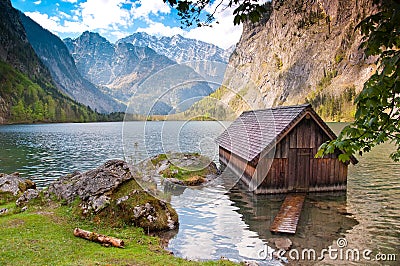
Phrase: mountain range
[103,76]
[313,57]
[148,81]
[179,48]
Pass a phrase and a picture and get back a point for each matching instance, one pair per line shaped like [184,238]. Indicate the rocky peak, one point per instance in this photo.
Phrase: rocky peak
[90,43]
[92,38]
[179,48]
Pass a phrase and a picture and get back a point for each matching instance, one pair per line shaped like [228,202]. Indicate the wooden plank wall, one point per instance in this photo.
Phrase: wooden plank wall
[240,164]
[326,173]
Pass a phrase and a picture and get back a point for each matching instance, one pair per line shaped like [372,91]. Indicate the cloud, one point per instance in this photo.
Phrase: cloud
[159,29]
[118,18]
[91,15]
[72,26]
[223,34]
[53,23]
[102,14]
[50,23]
[116,35]
[143,8]
[38,2]
[64,15]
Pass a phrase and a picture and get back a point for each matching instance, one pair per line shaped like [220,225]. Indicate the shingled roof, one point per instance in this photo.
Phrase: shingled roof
[254,131]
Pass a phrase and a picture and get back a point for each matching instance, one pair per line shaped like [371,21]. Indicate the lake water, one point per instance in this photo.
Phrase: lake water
[221,219]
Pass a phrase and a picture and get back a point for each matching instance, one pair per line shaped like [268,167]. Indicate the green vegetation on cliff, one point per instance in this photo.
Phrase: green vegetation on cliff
[330,106]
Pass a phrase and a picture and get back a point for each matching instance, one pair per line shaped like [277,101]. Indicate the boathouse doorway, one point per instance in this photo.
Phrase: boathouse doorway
[299,169]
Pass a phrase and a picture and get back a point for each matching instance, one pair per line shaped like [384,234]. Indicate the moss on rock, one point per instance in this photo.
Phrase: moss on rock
[109,195]
[189,169]
[131,205]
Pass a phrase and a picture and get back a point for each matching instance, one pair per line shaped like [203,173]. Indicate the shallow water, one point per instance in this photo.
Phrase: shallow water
[221,219]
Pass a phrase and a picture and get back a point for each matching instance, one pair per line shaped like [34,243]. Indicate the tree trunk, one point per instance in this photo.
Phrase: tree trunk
[102,239]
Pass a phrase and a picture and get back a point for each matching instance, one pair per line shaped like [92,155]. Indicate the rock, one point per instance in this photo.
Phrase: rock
[194,180]
[93,183]
[110,194]
[15,184]
[28,195]
[190,169]
[170,221]
[175,181]
[3,211]
[95,204]
[250,263]
[281,243]
[24,208]
[122,199]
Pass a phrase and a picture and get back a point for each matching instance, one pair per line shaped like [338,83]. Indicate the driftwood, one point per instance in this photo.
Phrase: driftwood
[102,239]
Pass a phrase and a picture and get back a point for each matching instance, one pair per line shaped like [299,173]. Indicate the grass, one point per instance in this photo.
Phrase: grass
[43,235]
[6,197]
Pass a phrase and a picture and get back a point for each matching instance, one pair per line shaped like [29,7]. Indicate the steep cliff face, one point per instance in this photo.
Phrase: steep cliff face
[302,51]
[55,55]
[15,48]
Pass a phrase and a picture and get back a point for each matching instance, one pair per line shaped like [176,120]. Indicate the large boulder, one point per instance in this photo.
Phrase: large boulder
[27,196]
[13,185]
[110,195]
[91,184]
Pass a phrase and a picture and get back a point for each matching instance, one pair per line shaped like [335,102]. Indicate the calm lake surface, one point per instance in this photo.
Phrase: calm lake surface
[221,219]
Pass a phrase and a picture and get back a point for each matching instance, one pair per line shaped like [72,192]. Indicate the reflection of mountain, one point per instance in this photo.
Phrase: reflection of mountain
[323,219]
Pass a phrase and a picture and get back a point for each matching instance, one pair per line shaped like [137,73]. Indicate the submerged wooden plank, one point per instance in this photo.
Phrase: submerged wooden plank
[288,216]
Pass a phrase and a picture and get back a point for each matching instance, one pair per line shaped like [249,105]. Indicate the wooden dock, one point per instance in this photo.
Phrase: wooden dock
[288,216]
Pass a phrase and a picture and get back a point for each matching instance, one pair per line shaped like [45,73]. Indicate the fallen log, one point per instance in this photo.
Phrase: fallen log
[102,239]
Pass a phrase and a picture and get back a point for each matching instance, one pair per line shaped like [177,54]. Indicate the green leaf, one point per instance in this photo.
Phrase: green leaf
[343,157]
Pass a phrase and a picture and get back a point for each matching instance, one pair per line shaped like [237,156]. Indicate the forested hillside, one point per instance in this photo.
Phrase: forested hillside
[27,91]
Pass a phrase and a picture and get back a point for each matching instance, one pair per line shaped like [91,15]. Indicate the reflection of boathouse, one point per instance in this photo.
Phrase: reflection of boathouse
[273,151]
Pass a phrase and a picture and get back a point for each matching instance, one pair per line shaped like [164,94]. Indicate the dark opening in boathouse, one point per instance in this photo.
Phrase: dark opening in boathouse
[273,150]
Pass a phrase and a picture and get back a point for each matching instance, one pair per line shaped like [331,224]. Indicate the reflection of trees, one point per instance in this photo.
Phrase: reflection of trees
[323,219]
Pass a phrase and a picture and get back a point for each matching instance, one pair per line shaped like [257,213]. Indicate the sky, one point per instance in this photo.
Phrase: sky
[115,19]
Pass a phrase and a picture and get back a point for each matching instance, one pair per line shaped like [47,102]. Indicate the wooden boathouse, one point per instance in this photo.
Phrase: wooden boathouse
[272,150]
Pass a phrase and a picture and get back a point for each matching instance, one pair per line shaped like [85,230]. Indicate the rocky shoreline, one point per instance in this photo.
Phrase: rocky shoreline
[108,194]
[116,194]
